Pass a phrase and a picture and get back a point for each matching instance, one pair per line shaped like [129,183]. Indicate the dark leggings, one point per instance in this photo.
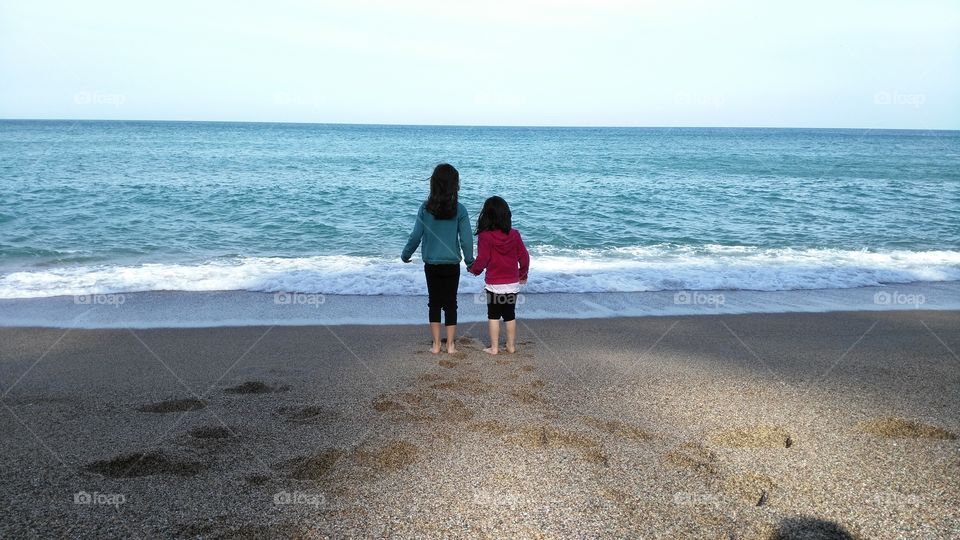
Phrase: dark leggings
[442,283]
[501,305]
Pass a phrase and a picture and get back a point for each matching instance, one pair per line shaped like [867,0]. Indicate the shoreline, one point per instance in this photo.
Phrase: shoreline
[752,426]
[177,309]
[480,323]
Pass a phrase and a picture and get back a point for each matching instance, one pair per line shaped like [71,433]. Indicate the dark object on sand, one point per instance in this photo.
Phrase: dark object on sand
[809,528]
[255,387]
[174,405]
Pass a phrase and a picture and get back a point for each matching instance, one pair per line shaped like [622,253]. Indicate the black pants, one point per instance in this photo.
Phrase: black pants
[501,305]
[442,283]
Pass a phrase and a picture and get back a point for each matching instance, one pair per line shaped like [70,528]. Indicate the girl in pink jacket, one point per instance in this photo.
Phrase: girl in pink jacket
[500,251]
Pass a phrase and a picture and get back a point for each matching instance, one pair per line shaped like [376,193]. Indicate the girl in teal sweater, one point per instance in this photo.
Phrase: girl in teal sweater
[443,226]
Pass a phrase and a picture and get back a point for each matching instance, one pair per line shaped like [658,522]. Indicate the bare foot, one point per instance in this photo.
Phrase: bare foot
[511,349]
[435,349]
[490,350]
[451,349]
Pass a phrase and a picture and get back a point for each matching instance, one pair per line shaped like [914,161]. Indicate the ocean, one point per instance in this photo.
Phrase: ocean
[101,207]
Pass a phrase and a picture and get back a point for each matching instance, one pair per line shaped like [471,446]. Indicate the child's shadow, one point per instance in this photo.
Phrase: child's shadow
[810,528]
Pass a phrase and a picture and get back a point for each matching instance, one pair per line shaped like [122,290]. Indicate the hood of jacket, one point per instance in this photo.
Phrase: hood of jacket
[503,244]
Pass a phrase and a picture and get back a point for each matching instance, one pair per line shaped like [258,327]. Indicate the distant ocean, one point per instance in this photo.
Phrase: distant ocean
[109,207]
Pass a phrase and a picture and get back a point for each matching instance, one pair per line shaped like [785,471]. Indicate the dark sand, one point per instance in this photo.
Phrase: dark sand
[832,425]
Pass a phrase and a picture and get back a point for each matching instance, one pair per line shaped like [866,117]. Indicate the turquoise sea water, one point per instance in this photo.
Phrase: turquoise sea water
[97,207]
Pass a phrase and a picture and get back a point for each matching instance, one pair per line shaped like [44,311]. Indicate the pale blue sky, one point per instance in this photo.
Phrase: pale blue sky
[836,63]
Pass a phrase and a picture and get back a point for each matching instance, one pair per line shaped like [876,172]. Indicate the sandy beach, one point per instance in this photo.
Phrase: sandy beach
[831,425]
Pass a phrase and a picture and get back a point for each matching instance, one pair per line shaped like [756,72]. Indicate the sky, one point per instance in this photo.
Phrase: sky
[837,63]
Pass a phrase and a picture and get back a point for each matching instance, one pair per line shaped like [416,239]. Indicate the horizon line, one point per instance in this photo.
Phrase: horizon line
[555,126]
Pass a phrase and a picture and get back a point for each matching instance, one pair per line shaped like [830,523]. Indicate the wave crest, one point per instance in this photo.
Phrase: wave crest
[637,269]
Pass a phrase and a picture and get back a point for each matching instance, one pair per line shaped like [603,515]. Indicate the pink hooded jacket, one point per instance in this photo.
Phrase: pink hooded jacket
[503,256]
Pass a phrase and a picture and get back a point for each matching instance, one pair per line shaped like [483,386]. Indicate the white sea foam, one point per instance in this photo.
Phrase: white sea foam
[650,268]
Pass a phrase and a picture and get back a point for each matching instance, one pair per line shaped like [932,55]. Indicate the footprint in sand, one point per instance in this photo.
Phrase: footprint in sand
[389,402]
[312,467]
[422,407]
[256,387]
[893,427]
[455,411]
[473,386]
[146,464]
[694,456]
[174,405]
[752,488]
[387,405]
[527,367]
[394,455]
[752,437]
[618,428]
[257,479]
[526,397]
[418,399]
[559,438]
[545,437]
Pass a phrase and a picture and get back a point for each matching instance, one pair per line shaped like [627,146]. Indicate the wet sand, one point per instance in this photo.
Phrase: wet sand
[835,425]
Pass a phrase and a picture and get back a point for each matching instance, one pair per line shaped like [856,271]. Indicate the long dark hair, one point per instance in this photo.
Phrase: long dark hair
[494,216]
[444,185]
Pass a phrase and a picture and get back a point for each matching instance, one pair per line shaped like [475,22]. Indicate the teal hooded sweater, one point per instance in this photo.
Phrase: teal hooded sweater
[443,239]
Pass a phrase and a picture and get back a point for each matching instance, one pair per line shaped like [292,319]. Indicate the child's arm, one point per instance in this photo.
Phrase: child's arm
[466,240]
[415,236]
[524,258]
[483,257]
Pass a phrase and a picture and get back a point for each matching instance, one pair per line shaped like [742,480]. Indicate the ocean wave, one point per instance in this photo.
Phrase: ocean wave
[637,269]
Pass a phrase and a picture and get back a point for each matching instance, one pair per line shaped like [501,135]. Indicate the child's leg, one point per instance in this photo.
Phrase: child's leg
[511,335]
[435,334]
[510,321]
[450,283]
[493,323]
[451,338]
[494,327]
[434,303]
